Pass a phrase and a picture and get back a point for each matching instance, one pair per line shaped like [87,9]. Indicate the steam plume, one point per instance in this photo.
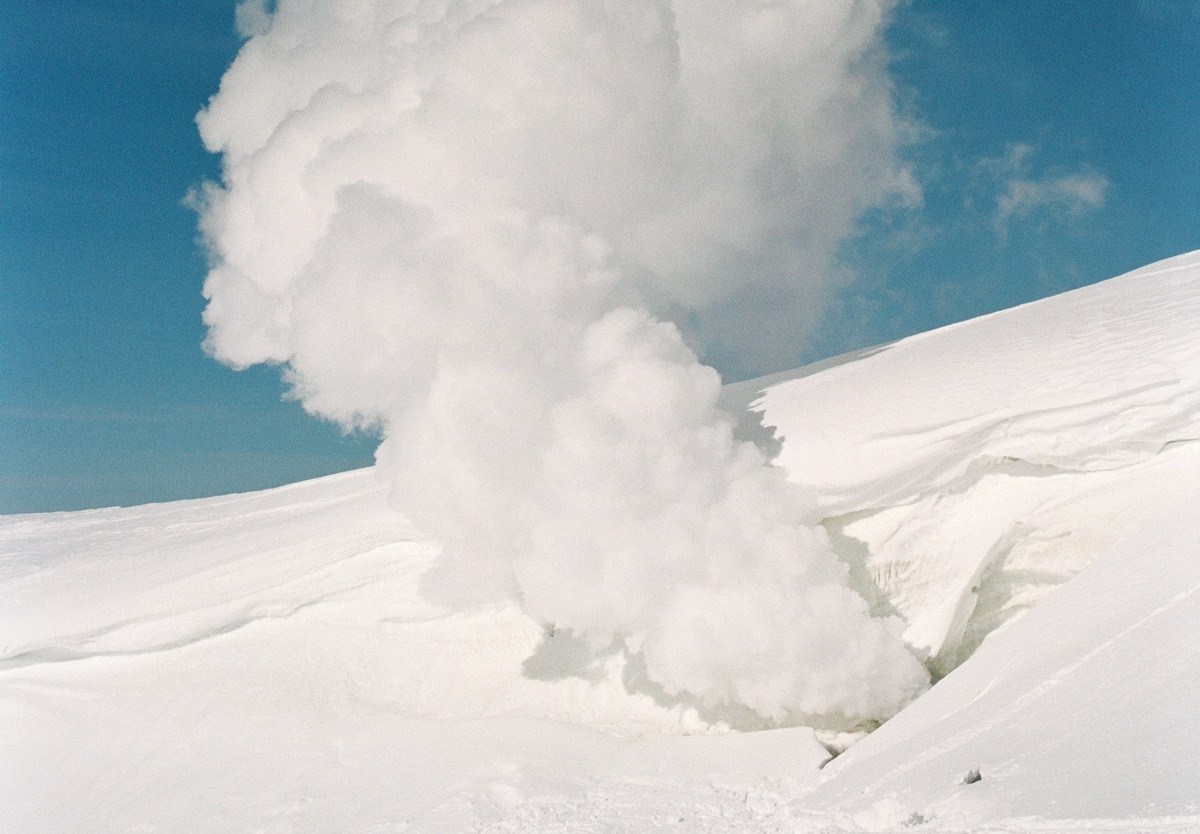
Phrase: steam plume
[462,221]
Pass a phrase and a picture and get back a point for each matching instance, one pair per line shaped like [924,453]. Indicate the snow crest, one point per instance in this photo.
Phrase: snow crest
[996,458]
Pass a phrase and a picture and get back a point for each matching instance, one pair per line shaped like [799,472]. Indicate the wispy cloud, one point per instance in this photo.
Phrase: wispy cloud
[253,17]
[1171,12]
[1024,193]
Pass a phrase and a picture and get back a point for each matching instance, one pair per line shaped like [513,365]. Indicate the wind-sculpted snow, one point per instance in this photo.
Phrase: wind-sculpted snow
[268,662]
[116,585]
[452,221]
[1085,706]
[185,667]
[122,581]
[993,459]
[1096,379]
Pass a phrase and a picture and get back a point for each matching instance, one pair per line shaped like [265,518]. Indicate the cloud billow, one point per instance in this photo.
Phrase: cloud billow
[462,223]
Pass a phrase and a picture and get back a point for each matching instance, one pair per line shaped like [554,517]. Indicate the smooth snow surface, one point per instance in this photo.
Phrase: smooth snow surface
[967,471]
[266,662]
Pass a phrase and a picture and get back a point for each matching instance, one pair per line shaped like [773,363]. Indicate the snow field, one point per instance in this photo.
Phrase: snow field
[270,662]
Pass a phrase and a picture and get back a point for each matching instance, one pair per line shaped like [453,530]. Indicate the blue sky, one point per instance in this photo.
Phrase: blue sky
[1055,145]
[1107,90]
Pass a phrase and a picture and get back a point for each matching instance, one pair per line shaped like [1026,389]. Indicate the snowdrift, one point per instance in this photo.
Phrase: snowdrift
[1021,488]
[967,471]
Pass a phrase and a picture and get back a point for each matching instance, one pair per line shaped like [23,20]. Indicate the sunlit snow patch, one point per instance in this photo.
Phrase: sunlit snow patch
[965,472]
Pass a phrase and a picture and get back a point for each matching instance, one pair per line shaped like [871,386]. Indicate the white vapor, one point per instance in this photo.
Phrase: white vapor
[460,221]
[1069,194]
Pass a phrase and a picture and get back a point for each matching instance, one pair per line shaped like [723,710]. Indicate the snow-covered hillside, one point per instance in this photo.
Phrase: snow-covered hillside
[969,470]
[1024,489]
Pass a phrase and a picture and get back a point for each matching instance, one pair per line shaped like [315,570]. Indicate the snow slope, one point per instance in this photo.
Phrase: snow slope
[969,470]
[1085,707]
[265,662]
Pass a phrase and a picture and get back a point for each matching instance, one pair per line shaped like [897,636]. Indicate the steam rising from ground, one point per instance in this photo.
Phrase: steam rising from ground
[458,221]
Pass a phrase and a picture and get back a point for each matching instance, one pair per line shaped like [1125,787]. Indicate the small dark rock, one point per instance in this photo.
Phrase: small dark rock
[972,776]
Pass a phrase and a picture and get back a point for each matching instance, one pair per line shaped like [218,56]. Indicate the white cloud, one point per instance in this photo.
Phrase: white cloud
[458,220]
[1024,193]
[253,17]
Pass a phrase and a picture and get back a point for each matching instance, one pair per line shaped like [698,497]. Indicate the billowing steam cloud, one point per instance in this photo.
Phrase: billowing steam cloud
[459,221]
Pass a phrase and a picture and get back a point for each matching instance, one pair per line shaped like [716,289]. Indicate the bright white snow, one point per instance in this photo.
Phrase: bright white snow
[1086,707]
[266,662]
[969,470]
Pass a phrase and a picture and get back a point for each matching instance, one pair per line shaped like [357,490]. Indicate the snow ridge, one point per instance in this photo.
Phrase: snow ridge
[993,459]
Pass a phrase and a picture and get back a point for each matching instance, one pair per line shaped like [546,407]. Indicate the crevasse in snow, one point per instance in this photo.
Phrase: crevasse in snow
[967,471]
